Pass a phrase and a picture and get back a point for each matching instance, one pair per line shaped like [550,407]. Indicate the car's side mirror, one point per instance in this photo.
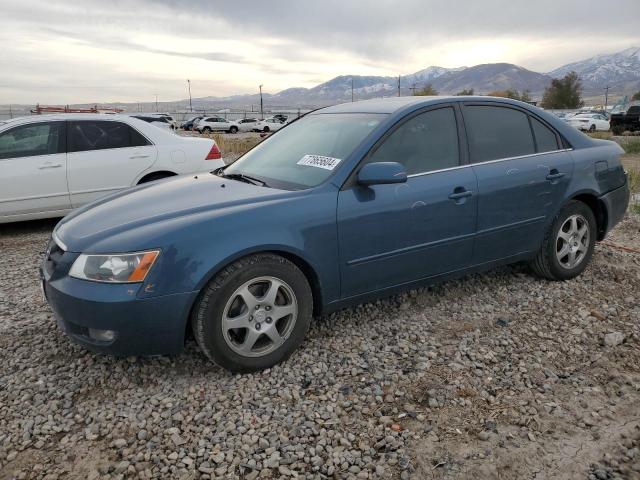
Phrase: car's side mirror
[381,173]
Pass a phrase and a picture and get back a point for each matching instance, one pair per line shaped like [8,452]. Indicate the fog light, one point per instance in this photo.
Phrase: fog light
[102,335]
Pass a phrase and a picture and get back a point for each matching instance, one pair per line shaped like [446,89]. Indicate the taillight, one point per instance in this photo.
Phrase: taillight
[214,153]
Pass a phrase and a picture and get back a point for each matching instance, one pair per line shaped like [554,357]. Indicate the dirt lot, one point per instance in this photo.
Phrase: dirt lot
[494,376]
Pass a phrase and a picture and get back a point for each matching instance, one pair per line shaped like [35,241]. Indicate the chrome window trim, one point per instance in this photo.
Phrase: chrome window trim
[489,161]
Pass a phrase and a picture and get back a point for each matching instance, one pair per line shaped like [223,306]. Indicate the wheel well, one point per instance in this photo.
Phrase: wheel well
[310,273]
[598,209]
[149,177]
[307,270]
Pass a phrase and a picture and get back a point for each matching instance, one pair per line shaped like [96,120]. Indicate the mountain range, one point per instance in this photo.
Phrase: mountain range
[620,71]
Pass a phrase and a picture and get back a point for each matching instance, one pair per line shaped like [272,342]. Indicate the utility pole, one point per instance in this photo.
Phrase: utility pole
[352,89]
[398,85]
[261,105]
[10,112]
[190,106]
[156,101]
[606,98]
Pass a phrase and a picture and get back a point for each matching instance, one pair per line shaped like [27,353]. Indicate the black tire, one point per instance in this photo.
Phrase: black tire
[546,264]
[154,176]
[233,130]
[206,130]
[207,315]
[265,129]
[592,128]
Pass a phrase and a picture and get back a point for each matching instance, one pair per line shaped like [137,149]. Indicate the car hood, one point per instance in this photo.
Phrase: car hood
[158,203]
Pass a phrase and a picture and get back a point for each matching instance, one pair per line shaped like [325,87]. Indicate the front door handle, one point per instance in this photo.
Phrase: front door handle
[459,193]
[555,175]
[49,165]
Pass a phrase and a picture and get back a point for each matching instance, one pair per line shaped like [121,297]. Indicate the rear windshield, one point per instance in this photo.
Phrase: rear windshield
[306,152]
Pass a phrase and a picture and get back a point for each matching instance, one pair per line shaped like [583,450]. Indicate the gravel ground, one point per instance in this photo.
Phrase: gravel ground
[494,376]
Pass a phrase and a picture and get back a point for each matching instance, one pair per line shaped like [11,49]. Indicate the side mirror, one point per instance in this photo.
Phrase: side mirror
[381,173]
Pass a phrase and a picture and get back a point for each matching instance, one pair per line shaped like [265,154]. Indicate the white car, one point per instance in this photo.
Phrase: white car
[268,125]
[247,124]
[51,164]
[589,122]
[216,124]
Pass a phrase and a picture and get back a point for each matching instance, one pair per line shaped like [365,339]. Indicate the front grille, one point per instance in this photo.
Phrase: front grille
[52,257]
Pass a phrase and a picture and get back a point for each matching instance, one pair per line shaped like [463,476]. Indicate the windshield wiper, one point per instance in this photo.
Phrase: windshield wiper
[243,178]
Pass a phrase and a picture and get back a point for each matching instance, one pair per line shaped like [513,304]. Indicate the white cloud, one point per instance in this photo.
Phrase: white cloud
[64,52]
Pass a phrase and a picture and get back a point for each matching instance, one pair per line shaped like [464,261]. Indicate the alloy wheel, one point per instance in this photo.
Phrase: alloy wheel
[572,241]
[259,316]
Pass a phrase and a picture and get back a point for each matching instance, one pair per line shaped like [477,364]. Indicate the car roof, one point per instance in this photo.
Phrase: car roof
[153,132]
[396,104]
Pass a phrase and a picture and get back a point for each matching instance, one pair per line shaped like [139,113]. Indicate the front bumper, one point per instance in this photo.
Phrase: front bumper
[616,203]
[140,326]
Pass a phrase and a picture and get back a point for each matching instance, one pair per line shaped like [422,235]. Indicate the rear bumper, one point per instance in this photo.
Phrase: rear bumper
[150,326]
[616,203]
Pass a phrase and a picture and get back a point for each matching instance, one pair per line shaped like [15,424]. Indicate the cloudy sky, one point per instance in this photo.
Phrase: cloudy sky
[101,51]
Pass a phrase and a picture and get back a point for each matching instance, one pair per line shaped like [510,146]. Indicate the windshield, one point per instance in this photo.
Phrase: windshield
[307,151]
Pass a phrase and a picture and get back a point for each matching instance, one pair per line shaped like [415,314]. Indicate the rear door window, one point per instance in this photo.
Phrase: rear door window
[101,135]
[497,132]
[33,139]
[546,140]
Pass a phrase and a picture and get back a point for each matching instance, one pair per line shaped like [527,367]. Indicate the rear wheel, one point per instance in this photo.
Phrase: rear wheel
[265,129]
[253,314]
[206,130]
[233,130]
[568,244]
[592,128]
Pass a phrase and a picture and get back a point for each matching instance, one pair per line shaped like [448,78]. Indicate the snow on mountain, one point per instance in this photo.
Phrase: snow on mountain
[621,70]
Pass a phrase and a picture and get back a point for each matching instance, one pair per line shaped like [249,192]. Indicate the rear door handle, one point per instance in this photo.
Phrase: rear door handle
[458,194]
[139,156]
[554,175]
[49,165]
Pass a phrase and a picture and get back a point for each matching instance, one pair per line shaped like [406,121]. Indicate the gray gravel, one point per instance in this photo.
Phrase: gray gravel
[493,376]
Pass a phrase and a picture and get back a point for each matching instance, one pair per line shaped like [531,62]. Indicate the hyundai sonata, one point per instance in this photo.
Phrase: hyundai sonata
[347,204]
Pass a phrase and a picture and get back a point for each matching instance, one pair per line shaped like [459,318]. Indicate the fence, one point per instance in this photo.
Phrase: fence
[182,115]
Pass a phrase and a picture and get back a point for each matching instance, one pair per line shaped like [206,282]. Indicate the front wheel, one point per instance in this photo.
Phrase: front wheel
[233,130]
[592,128]
[568,244]
[253,314]
[265,129]
[206,130]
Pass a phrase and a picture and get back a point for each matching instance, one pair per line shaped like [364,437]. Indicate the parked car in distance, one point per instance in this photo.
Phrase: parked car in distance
[216,124]
[627,121]
[590,122]
[268,125]
[50,164]
[160,122]
[247,124]
[189,124]
[164,117]
[281,117]
[347,204]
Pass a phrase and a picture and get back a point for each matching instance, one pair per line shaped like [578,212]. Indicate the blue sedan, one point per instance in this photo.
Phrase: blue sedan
[345,205]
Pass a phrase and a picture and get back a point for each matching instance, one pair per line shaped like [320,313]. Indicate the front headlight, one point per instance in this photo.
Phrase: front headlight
[114,268]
